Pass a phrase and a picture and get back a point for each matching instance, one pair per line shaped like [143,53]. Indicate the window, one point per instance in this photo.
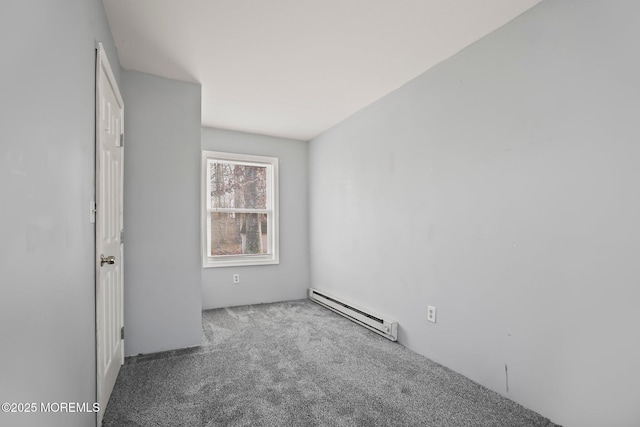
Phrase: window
[240,216]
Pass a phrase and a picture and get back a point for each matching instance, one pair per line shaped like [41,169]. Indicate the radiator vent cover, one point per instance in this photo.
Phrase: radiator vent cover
[378,324]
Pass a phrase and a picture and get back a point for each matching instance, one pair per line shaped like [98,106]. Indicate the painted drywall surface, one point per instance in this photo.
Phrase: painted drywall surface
[47,301]
[289,279]
[502,187]
[162,201]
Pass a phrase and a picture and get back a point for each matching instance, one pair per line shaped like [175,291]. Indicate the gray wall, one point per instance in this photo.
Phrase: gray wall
[502,187]
[289,279]
[162,294]
[47,116]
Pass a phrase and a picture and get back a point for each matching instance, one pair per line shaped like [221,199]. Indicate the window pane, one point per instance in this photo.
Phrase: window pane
[238,233]
[237,186]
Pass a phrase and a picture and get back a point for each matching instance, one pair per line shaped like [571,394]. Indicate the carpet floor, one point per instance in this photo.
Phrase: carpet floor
[298,364]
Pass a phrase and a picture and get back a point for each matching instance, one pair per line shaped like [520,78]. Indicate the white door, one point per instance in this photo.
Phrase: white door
[109,220]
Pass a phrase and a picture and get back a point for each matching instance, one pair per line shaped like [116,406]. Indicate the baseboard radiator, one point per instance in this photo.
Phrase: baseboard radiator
[385,327]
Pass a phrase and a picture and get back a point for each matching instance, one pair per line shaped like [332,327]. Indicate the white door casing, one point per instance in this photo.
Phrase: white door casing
[109,221]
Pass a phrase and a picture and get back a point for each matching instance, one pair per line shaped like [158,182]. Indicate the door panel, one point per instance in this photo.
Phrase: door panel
[109,220]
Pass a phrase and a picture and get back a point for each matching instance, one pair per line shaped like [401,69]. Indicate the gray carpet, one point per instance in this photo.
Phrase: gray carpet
[298,364]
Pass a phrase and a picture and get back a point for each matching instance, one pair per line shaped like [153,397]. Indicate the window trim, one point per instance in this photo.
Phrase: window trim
[271,163]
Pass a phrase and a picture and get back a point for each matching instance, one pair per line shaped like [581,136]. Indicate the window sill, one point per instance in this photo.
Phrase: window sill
[243,261]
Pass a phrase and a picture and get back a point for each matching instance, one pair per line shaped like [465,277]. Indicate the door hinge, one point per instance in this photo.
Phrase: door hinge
[122,140]
[122,333]
[121,236]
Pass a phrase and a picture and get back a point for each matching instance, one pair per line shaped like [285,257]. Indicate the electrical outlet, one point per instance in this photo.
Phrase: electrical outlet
[431,313]
[236,278]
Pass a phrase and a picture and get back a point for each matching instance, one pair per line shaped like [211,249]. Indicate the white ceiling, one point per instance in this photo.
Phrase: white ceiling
[295,68]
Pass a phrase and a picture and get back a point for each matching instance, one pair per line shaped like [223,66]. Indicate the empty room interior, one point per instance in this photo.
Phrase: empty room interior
[466,174]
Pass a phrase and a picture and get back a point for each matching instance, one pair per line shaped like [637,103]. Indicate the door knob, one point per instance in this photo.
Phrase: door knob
[107,260]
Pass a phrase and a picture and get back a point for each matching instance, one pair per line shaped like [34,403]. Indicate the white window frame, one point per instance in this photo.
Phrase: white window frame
[271,163]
